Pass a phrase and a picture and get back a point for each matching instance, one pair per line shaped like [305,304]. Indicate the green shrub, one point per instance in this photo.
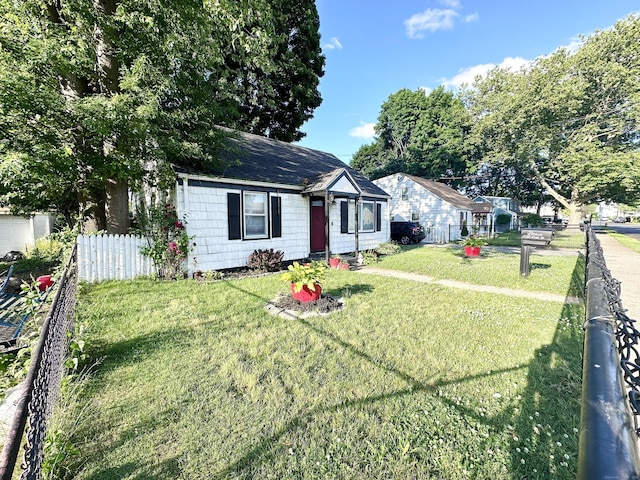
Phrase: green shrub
[168,242]
[369,257]
[532,219]
[388,248]
[47,249]
[503,219]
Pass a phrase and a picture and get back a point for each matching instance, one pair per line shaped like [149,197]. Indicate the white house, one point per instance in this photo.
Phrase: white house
[503,206]
[20,233]
[439,208]
[277,195]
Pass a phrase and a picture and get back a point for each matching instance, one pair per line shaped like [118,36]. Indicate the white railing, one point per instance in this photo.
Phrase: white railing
[111,257]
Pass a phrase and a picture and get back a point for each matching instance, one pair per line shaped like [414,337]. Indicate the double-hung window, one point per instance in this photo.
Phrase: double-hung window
[255,215]
[369,217]
[252,215]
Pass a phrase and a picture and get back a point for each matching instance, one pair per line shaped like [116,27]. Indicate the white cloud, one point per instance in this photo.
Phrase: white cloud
[450,3]
[467,75]
[574,44]
[431,19]
[471,18]
[334,43]
[426,90]
[365,130]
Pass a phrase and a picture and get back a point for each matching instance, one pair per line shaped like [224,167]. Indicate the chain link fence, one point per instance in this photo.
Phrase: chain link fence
[608,446]
[42,385]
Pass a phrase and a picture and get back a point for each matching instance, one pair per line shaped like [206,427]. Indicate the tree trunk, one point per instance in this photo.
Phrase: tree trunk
[92,214]
[117,206]
[116,189]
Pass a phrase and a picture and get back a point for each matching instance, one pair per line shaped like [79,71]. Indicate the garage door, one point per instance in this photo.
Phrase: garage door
[15,233]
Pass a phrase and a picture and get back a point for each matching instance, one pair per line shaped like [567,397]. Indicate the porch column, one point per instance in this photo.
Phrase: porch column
[326,226]
[357,237]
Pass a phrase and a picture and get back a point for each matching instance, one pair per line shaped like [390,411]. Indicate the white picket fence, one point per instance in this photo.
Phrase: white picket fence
[436,235]
[112,257]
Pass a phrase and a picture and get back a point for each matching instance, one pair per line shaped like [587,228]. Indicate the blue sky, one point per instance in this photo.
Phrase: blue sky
[373,48]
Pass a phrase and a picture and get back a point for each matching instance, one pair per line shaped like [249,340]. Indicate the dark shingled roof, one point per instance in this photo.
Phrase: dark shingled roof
[451,195]
[260,159]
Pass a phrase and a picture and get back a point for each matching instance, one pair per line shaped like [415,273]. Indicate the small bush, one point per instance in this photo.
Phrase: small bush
[266,260]
[369,257]
[388,248]
[531,219]
[46,249]
[503,219]
[465,231]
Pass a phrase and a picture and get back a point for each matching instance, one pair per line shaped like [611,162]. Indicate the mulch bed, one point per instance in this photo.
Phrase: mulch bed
[325,304]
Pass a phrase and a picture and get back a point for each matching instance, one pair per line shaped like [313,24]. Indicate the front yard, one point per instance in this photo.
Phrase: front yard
[196,380]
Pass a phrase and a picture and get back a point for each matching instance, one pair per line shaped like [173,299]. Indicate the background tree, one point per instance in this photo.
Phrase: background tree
[418,134]
[275,98]
[569,119]
[506,179]
[98,97]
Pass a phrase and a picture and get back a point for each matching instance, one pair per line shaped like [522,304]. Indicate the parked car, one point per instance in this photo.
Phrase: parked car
[620,220]
[407,232]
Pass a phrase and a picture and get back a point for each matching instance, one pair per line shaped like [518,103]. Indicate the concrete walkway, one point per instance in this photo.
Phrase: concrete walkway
[624,265]
[512,292]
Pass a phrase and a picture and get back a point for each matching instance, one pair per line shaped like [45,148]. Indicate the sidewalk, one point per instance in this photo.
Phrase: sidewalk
[624,265]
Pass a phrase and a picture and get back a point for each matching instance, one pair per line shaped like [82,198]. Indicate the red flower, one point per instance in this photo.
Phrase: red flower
[178,224]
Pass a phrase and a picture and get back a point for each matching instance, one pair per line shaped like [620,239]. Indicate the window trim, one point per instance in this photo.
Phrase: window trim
[350,211]
[264,215]
[361,217]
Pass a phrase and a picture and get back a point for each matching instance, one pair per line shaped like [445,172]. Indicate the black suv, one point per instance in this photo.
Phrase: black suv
[407,232]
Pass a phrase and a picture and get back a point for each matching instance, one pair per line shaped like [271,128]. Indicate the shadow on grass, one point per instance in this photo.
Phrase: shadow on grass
[266,448]
[167,468]
[543,422]
[539,266]
[552,390]
[550,410]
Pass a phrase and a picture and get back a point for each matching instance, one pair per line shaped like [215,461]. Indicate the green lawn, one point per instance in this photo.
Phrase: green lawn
[626,240]
[548,273]
[410,380]
[570,238]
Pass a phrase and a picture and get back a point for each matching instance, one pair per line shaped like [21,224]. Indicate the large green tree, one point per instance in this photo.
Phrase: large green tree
[569,119]
[275,98]
[98,97]
[420,134]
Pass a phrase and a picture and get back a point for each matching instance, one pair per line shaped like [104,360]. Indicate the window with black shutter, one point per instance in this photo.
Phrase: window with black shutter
[378,217]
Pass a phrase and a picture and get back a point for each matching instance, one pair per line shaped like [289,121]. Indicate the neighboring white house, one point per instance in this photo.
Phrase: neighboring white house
[503,206]
[608,211]
[20,233]
[277,195]
[438,207]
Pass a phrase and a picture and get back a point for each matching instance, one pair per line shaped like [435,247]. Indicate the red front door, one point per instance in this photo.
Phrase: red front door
[318,237]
